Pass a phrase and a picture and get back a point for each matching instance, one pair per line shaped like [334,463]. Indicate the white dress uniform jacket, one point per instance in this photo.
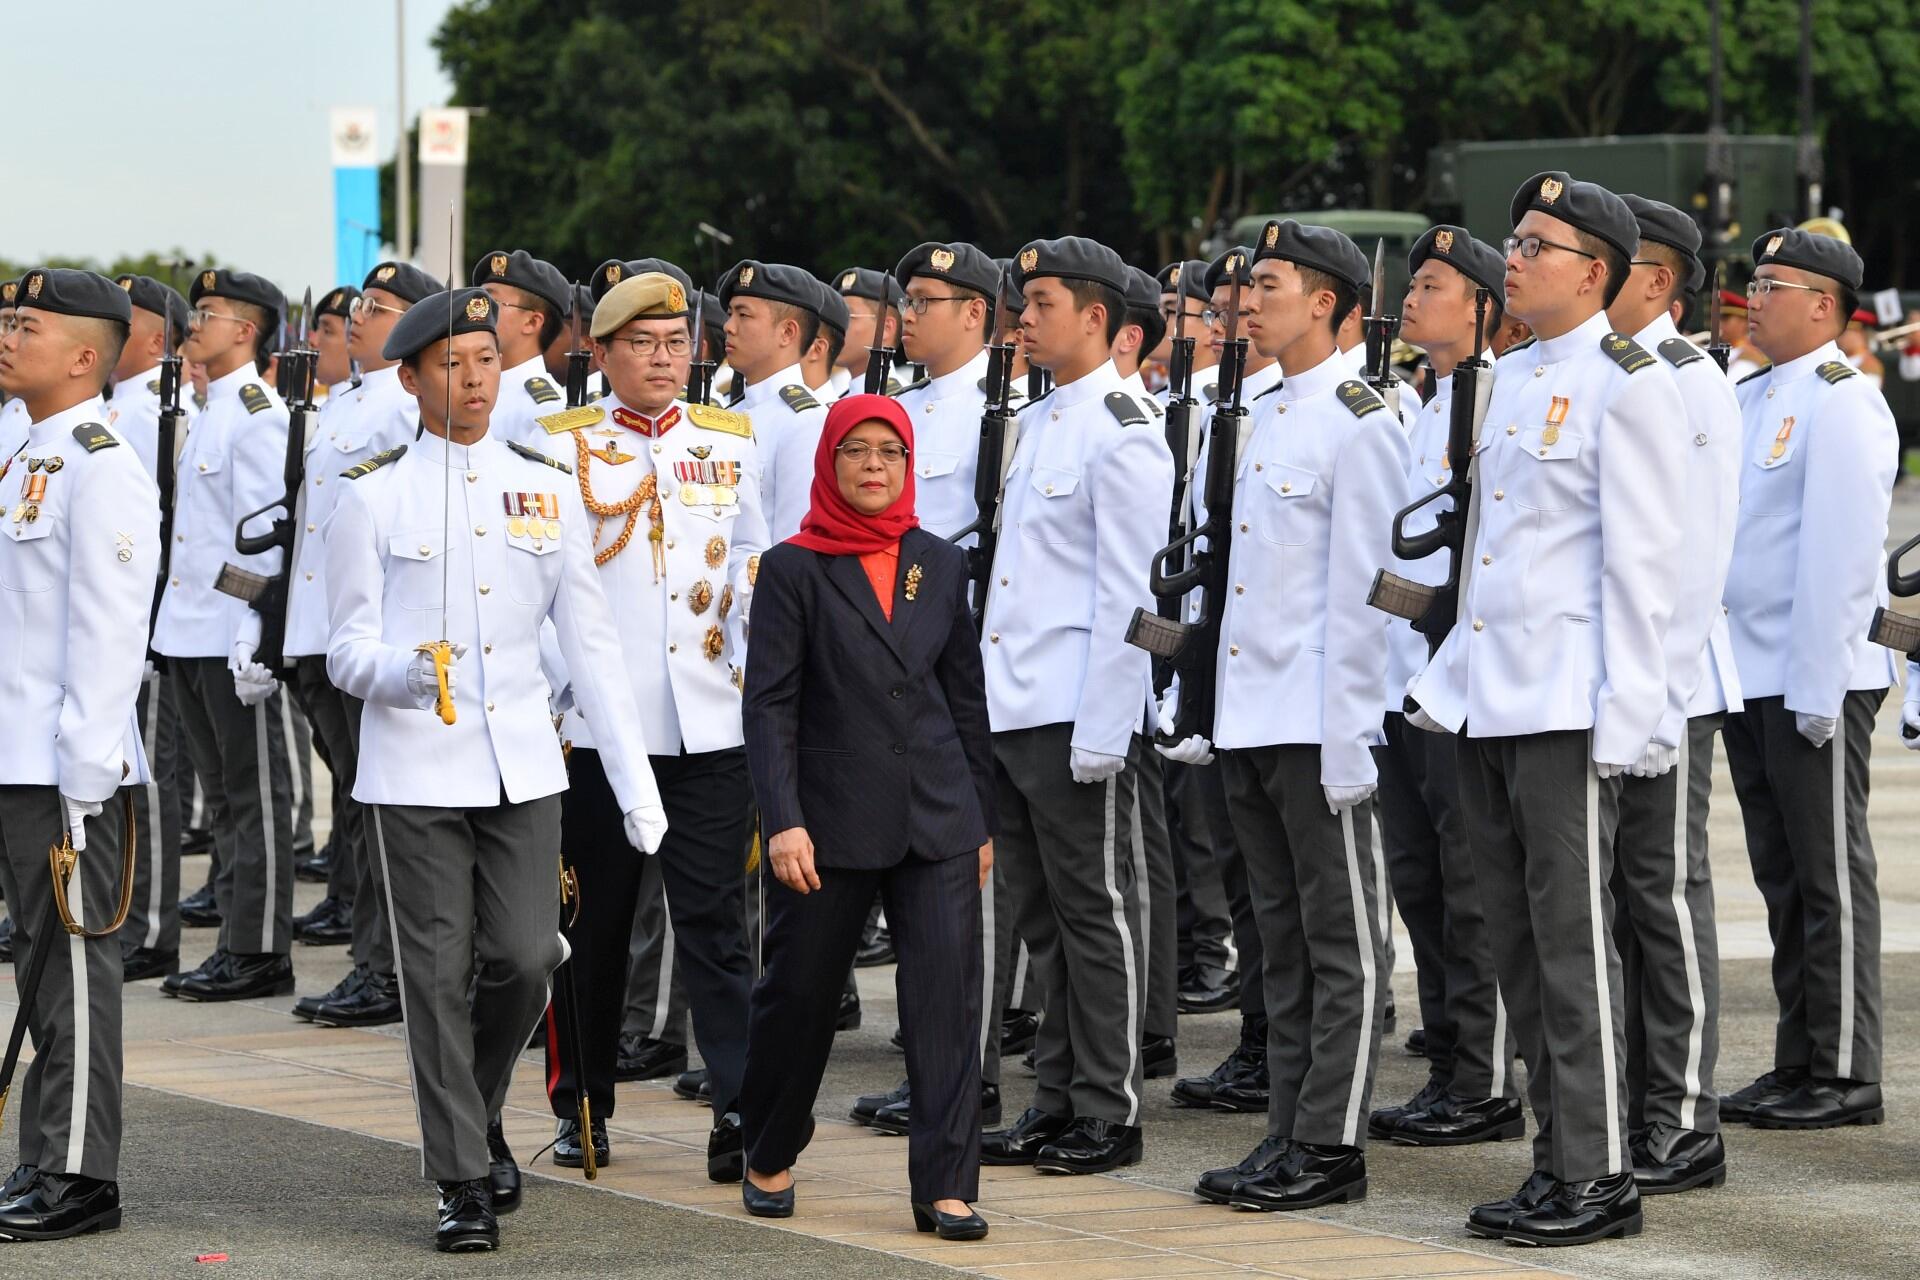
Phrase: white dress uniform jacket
[135,418]
[526,393]
[787,419]
[1071,565]
[79,548]
[684,631]
[1819,458]
[1303,656]
[396,565]
[234,463]
[946,414]
[1581,476]
[13,426]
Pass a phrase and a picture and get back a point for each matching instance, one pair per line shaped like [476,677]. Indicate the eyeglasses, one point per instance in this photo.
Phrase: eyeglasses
[1530,247]
[1765,285]
[858,451]
[201,315]
[1173,313]
[918,304]
[363,307]
[1220,317]
[644,345]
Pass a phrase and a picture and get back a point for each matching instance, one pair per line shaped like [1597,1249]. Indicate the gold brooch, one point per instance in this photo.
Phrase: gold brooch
[913,582]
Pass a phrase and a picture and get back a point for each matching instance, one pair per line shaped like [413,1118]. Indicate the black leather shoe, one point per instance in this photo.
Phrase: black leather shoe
[1217,1184]
[1017,1029]
[868,1105]
[1207,988]
[897,1117]
[1383,1121]
[874,951]
[305,1006]
[1417,1043]
[329,924]
[374,1003]
[1454,1121]
[1490,1220]
[1823,1104]
[503,1172]
[1774,1086]
[316,869]
[766,1204]
[1311,1175]
[726,1149]
[1090,1146]
[949,1226]
[200,910]
[694,1086]
[567,1152]
[1248,1057]
[16,1182]
[1667,1159]
[1245,1092]
[195,841]
[212,969]
[6,939]
[643,1059]
[247,977]
[849,1019]
[1021,1141]
[53,1206]
[1158,1057]
[467,1222]
[1580,1213]
[148,962]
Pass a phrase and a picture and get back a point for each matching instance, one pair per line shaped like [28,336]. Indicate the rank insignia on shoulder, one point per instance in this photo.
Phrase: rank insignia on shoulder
[798,398]
[1679,353]
[571,419]
[541,390]
[893,387]
[254,397]
[733,424]
[1125,409]
[1359,398]
[374,463]
[1153,407]
[1836,371]
[534,455]
[153,386]
[93,438]
[1625,352]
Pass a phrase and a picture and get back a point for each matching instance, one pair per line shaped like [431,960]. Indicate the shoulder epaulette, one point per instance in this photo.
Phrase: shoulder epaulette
[555,424]
[1125,409]
[734,424]
[153,385]
[374,463]
[1153,407]
[1625,352]
[1679,353]
[534,455]
[1359,398]
[1756,373]
[798,398]
[93,437]
[1210,393]
[254,397]
[893,387]
[1269,391]
[1836,371]
[541,390]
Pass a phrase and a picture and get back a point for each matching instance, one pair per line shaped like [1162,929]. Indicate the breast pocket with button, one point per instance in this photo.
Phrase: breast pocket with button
[1288,509]
[1772,485]
[413,566]
[533,569]
[1060,517]
[26,562]
[930,464]
[1555,480]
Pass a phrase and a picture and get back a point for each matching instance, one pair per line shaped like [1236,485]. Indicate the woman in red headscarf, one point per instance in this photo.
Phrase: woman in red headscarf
[866,725]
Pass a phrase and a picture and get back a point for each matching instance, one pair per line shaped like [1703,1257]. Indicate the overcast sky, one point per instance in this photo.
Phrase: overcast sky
[137,125]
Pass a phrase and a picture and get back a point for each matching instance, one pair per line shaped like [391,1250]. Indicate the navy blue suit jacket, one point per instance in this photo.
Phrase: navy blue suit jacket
[870,734]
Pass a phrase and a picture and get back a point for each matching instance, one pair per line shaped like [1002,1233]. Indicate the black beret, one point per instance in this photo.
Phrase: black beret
[158,297]
[832,309]
[959,262]
[866,282]
[1316,248]
[1189,278]
[64,291]
[1584,205]
[1810,251]
[524,271]
[1143,308]
[1242,259]
[1476,260]
[403,280]
[1069,258]
[613,271]
[1011,299]
[581,303]
[240,286]
[428,321]
[774,281]
[1664,224]
[334,302]
[713,316]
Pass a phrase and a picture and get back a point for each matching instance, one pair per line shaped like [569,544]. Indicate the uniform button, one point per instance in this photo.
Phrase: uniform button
[179,537]
[1280,409]
[203,466]
[425,549]
[479,531]
[1243,526]
[1769,396]
[1479,625]
[899,748]
[1055,417]
[484,588]
[673,595]
[1003,582]
[472,477]
[1233,651]
[1701,438]
[1511,428]
[1499,495]
[316,479]
[489,704]
[1486,559]
[1261,466]
[673,648]
[1049,489]
[1286,486]
[669,544]
[1543,453]
[657,448]
[995,637]
[486,648]
[309,527]
[1239,589]
[897,692]
[1538,370]
[309,577]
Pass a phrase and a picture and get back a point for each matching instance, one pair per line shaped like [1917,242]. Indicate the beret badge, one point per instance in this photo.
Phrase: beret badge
[1273,234]
[477,308]
[1773,245]
[206,279]
[34,282]
[941,259]
[387,272]
[847,281]
[1550,189]
[1443,241]
[613,273]
[746,276]
[676,297]
[499,264]
[1029,259]
[126,282]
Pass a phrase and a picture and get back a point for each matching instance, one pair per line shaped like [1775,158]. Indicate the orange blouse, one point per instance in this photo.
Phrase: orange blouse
[883,570]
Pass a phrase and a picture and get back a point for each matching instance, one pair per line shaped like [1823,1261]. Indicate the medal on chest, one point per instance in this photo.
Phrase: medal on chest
[1780,439]
[1556,414]
[33,491]
[533,515]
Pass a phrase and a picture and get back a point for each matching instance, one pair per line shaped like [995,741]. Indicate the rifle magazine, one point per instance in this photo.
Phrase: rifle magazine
[1401,597]
[1161,637]
[1895,630]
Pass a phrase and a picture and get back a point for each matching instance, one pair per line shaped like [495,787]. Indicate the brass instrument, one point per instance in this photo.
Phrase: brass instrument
[1827,227]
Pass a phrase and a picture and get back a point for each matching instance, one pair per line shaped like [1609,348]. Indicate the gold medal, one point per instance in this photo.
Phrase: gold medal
[1556,414]
[1779,449]
[700,597]
[517,526]
[726,601]
[1551,436]
[1780,439]
[716,552]
[690,495]
[553,530]
[714,644]
[55,463]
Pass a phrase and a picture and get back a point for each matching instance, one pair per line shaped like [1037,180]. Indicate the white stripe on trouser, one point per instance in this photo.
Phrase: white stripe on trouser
[1843,885]
[1497,1052]
[1599,943]
[152,731]
[1137,836]
[663,989]
[1369,980]
[1683,920]
[989,1017]
[1381,897]
[294,772]
[1109,858]
[1017,989]
[400,979]
[263,758]
[82,1028]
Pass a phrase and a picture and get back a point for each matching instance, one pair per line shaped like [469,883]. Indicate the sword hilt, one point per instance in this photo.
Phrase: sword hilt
[442,651]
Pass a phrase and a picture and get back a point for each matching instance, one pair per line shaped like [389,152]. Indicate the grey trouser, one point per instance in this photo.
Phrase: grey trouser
[1315,880]
[241,754]
[1805,811]
[1153,867]
[1540,822]
[1204,922]
[336,723]
[70,1092]
[656,1006]
[1077,905]
[154,918]
[298,735]
[473,897]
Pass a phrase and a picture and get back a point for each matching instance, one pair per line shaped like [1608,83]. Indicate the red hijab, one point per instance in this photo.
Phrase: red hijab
[831,524]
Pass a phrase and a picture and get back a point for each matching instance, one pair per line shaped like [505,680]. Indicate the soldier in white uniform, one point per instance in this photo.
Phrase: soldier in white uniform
[869,296]
[1820,455]
[231,707]
[1556,680]
[79,548]
[773,317]
[1067,700]
[465,815]
[533,301]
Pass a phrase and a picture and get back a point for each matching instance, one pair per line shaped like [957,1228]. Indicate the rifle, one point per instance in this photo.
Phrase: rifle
[879,355]
[1380,328]
[1716,342]
[1192,649]
[1433,609]
[1895,630]
[999,434]
[701,370]
[165,454]
[578,359]
[1184,445]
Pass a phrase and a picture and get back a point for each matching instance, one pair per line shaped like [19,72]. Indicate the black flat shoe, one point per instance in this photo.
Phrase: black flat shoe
[1773,1086]
[875,951]
[305,1006]
[1017,1029]
[1248,1057]
[726,1150]
[897,1117]
[643,1059]
[318,868]
[1021,1141]
[195,841]
[1311,1175]
[1668,1159]
[1580,1213]
[849,1018]
[375,1002]
[148,962]
[330,924]
[467,1221]
[1217,1185]
[567,1151]
[1090,1146]
[1490,1220]
[1246,1093]
[1158,1057]
[766,1204]
[1382,1122]
[1457,1122]
[54,1206]
[6,939]
[868,1105]
[1417,1043]
[212,969]
[503,1173]
[17,1182]
[694,1086]
[247,977]
[200,910]
[949,1226]
[1207,988]
[1823,1104]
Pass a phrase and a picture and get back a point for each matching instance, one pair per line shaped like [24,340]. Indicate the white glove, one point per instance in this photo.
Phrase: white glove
[1910,715]
[1815,729]
[1416,714]
[1095,766]
[253,684]
[1655,761]
[151,673]
[78,811]
[1606,770]
[646,828]
[422,683]
[1193,749]
[1340,799]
